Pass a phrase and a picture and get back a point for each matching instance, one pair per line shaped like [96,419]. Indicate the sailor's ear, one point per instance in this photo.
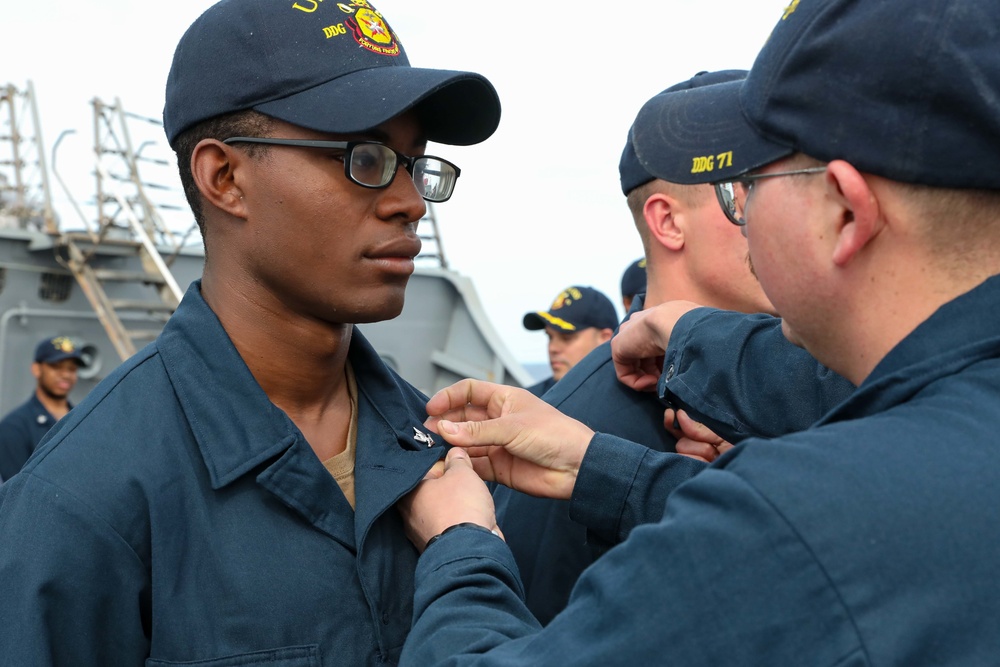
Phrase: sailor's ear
[660,213]
[859,220]
[215,168]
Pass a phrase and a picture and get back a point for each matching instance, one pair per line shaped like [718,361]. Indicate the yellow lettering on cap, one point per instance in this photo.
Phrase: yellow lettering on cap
[312,5]
[334,30]
[790,9]
[702,164]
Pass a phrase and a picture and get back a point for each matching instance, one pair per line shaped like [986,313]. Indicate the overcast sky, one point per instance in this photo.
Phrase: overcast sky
[538,206]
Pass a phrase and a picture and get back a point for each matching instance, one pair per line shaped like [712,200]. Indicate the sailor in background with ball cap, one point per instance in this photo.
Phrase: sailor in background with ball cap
[55,366]
[579,319]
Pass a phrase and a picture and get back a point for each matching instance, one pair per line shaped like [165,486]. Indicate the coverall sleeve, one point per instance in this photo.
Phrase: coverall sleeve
[74,589]
[623,484]
[739,375]
[722,579]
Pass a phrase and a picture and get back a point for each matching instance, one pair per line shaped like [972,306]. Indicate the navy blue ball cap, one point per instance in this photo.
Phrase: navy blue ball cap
[630,169]
[906,90]
[54,350]
[575,308]
[700,135]
[634,278]
[331,67]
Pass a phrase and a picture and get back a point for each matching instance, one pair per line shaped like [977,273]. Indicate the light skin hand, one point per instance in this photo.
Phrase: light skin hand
[637,350]
[694,439]
[450,493]
[512,436]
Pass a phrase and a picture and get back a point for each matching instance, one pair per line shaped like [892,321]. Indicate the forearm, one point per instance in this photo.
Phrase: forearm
[740,376]
[468,598]
[623,484]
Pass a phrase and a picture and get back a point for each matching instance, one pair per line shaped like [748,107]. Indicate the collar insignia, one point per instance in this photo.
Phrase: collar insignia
[420,436]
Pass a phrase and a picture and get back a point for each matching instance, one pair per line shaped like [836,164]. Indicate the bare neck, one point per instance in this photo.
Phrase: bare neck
[298,362]
[57,407]
[666,280]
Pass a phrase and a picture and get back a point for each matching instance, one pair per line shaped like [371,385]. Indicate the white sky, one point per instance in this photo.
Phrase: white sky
[538,206]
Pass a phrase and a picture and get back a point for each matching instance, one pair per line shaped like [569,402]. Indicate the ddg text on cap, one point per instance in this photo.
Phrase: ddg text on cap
[630,170]
[334,67]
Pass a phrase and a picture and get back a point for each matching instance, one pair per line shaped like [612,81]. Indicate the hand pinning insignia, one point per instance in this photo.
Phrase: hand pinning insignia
[420,436]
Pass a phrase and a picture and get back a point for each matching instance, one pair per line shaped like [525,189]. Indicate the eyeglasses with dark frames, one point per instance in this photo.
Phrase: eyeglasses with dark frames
[372,164]
[733,195]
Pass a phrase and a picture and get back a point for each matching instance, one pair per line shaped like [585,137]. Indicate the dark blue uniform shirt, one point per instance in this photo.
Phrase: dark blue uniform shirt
[177,516]
[20,432]
[867,539]
[551,550]
[539,388]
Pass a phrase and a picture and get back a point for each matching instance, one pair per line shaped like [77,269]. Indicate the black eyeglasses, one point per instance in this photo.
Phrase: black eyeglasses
[372,164]
[733,195]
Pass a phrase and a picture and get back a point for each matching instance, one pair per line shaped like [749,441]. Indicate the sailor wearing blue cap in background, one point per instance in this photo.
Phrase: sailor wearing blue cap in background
[55,366]
[633,282]
[579,319]
[226,496]
[862,156]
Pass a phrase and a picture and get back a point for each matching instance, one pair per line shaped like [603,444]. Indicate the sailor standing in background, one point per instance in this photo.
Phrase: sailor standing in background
[55,370]
[633,282]
[579,319]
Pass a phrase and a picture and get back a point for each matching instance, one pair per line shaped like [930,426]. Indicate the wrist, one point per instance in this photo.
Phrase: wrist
[464,524]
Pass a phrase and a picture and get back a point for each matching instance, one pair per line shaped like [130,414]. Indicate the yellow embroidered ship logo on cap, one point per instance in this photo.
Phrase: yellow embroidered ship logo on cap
[63,344]
[372,32]
[565,298]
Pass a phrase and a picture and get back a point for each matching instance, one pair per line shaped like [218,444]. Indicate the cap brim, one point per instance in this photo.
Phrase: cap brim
[541,319]
[533,322]
[456,108]
[700,135]
[55,359]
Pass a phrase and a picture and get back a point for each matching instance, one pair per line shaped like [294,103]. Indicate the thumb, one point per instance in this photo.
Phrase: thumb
[457,457]
[474,433]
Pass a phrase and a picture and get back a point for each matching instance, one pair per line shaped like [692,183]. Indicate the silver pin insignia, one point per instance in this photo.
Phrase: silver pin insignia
[420,436]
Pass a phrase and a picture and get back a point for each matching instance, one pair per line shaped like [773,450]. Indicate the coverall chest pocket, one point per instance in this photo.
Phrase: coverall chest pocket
[292,656]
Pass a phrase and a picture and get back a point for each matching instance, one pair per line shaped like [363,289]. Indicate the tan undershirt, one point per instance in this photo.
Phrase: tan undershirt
[341,466]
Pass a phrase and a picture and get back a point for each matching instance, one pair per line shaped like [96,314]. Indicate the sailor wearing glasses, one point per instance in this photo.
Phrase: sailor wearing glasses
[227,495]
[870,134]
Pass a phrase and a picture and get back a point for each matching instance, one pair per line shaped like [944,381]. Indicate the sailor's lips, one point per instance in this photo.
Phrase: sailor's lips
[396,256]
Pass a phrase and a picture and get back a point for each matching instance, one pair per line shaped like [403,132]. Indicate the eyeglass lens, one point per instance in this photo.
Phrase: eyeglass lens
[732,197]
[435,179]
[374,165]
